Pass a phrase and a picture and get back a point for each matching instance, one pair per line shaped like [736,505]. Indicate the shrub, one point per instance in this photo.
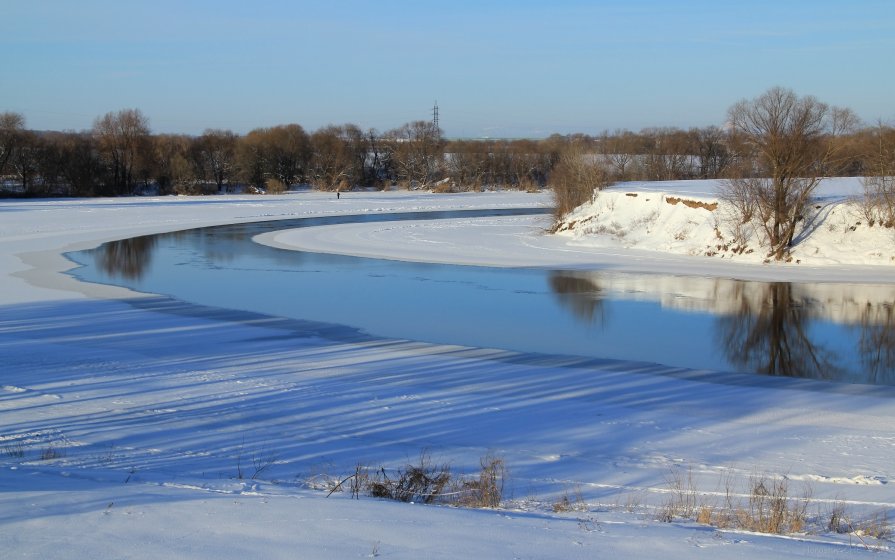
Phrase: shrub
[876,526]
[878,204]
[565,503]
[415,483]
[274,186]
[429,483]
[575,181]
[51,453]
[487,490]
[771,510]
[443,187]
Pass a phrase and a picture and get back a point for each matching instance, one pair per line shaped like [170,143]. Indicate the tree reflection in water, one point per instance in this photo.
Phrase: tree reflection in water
[582,296]
[822,331]
[837,332]
[127,258]
[877,342]
[774,338]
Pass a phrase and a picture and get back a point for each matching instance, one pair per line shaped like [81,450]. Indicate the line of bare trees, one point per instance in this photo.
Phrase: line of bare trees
[120,156]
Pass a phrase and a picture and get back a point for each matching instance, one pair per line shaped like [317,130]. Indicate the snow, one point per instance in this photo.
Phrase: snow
[150,405]
[630,227]
[689,218]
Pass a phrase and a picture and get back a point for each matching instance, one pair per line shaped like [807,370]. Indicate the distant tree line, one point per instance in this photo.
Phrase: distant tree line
[121,156]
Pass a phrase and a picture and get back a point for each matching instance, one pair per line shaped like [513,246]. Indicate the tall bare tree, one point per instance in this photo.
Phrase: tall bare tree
[12,126]
[879,185]
[339,157]
[714,154]
[669,154]
[620,150]
[289,153]
[81,166]
[417,152]
[123,139]
[175,170]
[467,163]
[790,141]
[378,163]
[217,152]
[277,156]
[25,160]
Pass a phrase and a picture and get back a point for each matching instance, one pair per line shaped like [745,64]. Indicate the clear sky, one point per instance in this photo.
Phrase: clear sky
[503,68]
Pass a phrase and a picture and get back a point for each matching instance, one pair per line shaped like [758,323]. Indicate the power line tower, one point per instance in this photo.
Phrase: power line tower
[435,116]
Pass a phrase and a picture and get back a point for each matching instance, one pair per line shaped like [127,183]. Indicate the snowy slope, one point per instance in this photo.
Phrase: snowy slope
[688,218]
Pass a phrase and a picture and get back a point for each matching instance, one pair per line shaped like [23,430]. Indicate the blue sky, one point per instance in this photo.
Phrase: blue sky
[501,68]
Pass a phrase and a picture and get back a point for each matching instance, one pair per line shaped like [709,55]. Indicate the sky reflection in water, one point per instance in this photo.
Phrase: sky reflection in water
[840,332]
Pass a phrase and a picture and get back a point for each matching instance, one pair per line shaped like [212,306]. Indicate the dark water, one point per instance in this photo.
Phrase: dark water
[837,332]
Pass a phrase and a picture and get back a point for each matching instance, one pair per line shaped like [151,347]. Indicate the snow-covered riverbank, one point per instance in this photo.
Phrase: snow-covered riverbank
[124,422]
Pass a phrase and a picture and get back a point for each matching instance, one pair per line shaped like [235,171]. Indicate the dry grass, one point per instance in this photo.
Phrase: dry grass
[443,187]
[427,482]
[570,501]
[51,452]
[274,186]
[876,526]
[486,491]
[15,450]
[771,510]
[767,507]
[682,497]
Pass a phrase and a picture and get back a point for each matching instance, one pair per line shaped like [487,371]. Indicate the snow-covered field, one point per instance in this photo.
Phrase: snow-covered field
[125,419]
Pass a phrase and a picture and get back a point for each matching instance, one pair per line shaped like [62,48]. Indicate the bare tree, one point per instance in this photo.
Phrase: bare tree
[417,152]
[620,150]
[790,140]
[25,160]
[175,169]
[713,152]
[467,163]
[123,140]
[277,156]
[879,185]
[339,157]
[81,166]
[12,126]
[251,158]
[217,153]
[378,161]
[669,155]
[288,149]
[531,164]
[359,148]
